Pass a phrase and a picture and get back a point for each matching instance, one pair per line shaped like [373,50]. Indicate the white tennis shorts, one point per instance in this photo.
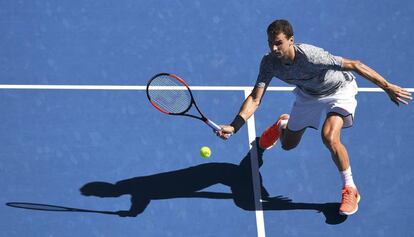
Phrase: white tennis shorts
[307,110]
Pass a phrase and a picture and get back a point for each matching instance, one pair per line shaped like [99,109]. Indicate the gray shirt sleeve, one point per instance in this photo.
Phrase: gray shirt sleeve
[265,73]
[320,58]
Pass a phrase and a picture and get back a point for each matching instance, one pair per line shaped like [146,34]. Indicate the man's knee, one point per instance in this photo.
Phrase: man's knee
[330,140]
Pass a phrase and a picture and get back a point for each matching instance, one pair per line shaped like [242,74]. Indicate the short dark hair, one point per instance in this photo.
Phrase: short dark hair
[280,26]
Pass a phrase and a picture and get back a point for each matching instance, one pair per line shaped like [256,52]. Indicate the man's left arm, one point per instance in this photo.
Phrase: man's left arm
[397,94]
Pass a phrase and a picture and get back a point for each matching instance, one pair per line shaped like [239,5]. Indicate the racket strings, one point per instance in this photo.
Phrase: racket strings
[169,94]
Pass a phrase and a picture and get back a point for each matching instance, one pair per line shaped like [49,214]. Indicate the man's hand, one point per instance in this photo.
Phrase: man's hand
[397,94]
[225,132]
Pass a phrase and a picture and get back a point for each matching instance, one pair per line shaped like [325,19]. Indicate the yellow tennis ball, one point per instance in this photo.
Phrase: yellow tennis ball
[205,152]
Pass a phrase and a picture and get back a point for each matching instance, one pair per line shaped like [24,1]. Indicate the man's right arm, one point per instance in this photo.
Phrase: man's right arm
[249,106]
[138,205]
[251,103]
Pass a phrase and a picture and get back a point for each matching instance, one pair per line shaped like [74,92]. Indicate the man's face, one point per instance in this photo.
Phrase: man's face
[280,45]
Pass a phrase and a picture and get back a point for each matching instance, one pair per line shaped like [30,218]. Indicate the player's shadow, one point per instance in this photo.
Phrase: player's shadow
[187,183]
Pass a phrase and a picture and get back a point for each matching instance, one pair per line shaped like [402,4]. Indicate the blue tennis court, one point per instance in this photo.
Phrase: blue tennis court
[74,111]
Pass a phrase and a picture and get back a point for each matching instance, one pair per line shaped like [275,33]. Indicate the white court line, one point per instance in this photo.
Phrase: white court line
[130,87]
[250,126]
[251,130]
[250,123]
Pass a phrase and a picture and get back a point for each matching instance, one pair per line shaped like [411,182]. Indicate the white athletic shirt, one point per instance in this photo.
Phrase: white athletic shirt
[314,71]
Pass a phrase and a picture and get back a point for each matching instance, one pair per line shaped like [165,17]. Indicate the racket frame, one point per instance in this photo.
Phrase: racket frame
[203,118]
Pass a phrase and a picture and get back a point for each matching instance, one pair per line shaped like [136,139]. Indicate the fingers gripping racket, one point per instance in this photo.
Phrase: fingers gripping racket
[171,95]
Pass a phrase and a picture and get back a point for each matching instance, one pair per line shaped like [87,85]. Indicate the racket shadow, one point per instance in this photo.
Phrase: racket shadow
[53,208]
[188,183]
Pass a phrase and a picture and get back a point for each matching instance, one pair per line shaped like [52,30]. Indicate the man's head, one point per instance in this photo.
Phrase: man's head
[280,38]
[280,26]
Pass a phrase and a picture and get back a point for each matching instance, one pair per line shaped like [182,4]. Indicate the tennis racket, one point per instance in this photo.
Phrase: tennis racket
[172,95]
[47,207]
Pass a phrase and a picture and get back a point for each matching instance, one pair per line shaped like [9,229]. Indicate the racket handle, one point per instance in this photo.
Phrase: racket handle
[216,128]
[213,125]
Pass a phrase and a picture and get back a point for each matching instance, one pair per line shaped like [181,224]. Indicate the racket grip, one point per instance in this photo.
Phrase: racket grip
[213,125]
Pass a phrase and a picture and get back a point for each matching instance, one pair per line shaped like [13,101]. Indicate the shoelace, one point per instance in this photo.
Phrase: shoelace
[348,196]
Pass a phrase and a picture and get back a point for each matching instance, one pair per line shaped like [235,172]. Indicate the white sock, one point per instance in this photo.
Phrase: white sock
[282,124]
[347,179]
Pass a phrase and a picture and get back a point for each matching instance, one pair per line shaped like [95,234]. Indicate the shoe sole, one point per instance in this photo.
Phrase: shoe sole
[270,147]
[353,212]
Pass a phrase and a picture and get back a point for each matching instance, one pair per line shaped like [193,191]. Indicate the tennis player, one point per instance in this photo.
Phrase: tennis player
[325,86]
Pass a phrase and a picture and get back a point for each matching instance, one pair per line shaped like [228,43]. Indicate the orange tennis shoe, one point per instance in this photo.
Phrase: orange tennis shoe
[350,200]
[270,136]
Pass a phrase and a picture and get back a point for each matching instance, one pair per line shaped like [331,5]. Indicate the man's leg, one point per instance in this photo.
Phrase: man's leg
[290,139]
[331,133]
